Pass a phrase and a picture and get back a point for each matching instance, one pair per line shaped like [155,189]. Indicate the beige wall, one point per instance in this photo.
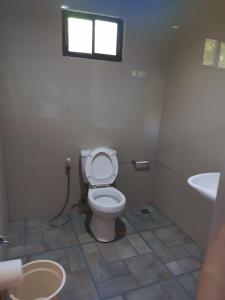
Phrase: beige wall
[53,106]
[3,198]
[193,119]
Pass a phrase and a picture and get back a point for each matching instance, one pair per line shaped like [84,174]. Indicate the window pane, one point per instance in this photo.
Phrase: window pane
[105,37]
[79,35]
[221,63]
[210,52]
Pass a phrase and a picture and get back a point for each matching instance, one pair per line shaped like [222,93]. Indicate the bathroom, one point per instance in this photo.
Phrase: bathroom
[159,104]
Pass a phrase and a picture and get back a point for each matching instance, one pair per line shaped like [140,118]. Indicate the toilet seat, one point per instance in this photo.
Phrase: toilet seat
[101,167]
[106,200]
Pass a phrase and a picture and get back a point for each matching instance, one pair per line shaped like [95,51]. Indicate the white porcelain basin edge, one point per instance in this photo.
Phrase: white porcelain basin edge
[206,184]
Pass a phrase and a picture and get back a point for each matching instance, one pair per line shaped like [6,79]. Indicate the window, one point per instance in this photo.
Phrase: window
[210,52]
[221,63]
[92,36]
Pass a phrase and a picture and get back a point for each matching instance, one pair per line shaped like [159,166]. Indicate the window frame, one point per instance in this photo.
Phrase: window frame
[66,13]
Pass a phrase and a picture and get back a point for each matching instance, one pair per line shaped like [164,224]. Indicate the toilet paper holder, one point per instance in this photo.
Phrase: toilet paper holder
[141,165]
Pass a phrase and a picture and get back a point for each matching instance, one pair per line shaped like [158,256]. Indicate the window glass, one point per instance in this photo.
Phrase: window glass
[79,35]
[210,52]
[105,37]
[221,63]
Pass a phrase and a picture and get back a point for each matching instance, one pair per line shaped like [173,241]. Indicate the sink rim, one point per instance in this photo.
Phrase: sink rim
[209,192]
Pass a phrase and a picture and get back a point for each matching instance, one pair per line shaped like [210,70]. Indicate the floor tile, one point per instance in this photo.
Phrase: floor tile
[16,252]
[196,275]
[36,225]
[33,238]
[138,244]
[116,298]
[179,252]
[154,292]
[90,248]
[174,291]
[17,233]
[195,251]
[188,282]
[85,238]
[147,269]
[172,236]
[124,248]
[183,265]
[116,286]
[128,226]
[148,235]
[75,258]
[98,267]
[79,286]
[57,256]
[161,250]
[160,218]
[108,251]
[118,268]
[79,223]
[59,238]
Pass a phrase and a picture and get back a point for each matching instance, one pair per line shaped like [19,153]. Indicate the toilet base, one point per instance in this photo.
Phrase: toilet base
[102,228]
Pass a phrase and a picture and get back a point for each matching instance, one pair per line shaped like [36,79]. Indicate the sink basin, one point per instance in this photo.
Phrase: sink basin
[205,184]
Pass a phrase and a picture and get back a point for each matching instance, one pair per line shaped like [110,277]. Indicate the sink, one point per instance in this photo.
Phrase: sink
[205,184]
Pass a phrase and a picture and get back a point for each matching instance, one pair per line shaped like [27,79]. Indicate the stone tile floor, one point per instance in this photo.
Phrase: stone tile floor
[152,259]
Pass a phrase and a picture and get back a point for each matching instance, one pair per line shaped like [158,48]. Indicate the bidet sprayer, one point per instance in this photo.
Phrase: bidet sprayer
[68,164]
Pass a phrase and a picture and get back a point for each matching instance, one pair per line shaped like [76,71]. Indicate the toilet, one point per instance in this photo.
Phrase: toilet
[99,170]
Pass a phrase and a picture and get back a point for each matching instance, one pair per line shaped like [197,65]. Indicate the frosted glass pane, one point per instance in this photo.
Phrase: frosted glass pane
[210,52]
[79,35]
[105,37]
[221,63]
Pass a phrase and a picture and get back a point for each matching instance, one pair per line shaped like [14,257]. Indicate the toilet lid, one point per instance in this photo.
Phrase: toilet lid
[101,166]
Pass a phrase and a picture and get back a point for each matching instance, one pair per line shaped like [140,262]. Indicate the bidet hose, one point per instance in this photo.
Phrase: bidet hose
[52,222]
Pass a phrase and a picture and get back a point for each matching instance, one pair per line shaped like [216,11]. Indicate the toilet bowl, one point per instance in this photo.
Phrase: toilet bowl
[100,168]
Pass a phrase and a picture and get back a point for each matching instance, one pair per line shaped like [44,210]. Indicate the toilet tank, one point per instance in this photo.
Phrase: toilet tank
[83,155]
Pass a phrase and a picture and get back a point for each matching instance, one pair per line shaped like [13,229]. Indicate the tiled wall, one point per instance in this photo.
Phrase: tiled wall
[193,120]
[54,106]
[3,201]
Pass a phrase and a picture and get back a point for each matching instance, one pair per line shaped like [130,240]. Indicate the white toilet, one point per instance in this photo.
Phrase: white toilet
[100,169]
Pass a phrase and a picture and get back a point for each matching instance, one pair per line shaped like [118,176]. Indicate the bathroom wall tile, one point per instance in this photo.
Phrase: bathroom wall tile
[183,265]
[172,236]
[59,238]
[152,292]
[147,269]
[116,286]
[75,258]
[174,290]
[57,255]
[177,200]
[47,189]
[138,244]
[139,187]
[79,285]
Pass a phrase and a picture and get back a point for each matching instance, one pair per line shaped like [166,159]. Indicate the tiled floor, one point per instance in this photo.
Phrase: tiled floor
[151,259]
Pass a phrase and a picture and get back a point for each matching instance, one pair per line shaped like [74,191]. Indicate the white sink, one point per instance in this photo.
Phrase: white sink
[206,184]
